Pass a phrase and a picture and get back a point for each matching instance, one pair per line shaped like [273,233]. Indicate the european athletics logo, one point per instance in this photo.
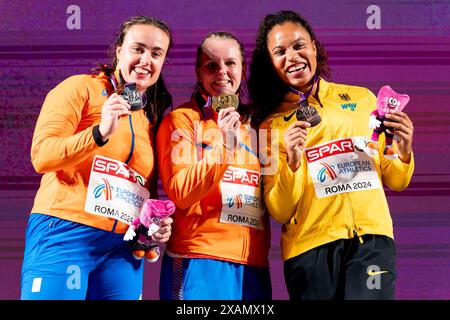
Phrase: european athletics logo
[236,200]
[327,170]
[103,188]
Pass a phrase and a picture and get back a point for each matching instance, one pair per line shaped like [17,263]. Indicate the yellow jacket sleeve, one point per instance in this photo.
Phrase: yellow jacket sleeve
[397,175]
[278,180]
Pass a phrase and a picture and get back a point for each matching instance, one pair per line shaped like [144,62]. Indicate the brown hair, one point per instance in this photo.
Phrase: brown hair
[243,109]
[138,20]
[158,97]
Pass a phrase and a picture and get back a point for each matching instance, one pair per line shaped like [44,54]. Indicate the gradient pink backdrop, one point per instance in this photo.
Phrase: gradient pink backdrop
[411,53]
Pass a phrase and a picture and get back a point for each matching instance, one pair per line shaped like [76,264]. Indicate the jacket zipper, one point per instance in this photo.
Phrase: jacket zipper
[246,233]
[346,199]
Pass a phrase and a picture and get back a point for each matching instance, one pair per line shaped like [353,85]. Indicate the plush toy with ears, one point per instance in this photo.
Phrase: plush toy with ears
[387,101]
[145,226]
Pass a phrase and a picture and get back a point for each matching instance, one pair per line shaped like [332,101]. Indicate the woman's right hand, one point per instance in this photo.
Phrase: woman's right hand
[229,123]
[295,142]
[164,231]
[113,108]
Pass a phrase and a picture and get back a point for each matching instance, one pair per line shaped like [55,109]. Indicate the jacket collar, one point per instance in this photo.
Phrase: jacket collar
[290,99]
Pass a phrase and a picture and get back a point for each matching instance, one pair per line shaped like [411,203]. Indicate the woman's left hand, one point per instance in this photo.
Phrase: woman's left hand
[164,232]
[403,128]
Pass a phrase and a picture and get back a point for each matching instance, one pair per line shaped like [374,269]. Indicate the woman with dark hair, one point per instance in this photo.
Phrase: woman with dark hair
[93,142]
[209,168]
[326,190]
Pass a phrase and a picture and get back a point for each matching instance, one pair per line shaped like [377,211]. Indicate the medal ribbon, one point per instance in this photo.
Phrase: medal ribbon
[304,96]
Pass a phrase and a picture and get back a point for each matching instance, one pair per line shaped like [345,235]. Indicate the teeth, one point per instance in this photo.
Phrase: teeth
[221,81]
[141,71]
[296,68]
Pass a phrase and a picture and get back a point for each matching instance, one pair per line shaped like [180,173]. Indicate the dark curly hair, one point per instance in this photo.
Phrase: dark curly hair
[265,87]
[158,96]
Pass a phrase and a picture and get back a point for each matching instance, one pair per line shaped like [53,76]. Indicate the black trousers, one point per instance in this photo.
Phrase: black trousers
[344,269]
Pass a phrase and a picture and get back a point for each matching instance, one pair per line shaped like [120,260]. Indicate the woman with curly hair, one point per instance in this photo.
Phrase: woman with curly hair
[326,190]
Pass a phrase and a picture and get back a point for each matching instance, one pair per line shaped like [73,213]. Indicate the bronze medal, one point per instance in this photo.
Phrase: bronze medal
[308,114]
[304,111]
[225,101]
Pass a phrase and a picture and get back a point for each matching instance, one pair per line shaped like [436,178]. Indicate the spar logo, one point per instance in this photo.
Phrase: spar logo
[332,148]
[116,169]
[237,199]
[105,189]
[242,177]
[326,170]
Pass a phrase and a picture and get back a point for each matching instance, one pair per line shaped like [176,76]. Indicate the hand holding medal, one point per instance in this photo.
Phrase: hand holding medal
[295,135]
[228,121]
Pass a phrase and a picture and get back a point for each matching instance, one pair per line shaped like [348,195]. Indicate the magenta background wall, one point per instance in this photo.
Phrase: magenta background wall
[411,53]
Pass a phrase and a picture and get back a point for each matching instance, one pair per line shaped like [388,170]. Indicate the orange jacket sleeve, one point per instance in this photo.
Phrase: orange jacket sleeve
[185,177]
[59,141]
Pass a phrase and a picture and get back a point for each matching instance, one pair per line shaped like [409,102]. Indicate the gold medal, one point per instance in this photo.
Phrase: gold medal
[225,101]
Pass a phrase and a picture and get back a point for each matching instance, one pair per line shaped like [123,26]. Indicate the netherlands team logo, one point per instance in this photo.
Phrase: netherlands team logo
[104,188]
[326,170]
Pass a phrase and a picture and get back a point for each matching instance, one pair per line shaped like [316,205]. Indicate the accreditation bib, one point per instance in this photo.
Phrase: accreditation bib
[241,198]
[341,166]
[115,190]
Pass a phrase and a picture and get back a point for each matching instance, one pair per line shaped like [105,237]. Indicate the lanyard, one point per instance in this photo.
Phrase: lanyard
[113,80]
[204,104]
[114,83]
[306,112]
[303,100]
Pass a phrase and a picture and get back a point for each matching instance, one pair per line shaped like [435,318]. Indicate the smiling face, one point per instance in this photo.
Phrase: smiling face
[389,104]
[220,69]
[293,54]
[388,100]
[142,54]
[393,103]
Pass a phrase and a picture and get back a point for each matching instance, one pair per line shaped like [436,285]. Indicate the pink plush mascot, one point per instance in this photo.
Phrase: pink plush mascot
[387,101]
[146,225]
